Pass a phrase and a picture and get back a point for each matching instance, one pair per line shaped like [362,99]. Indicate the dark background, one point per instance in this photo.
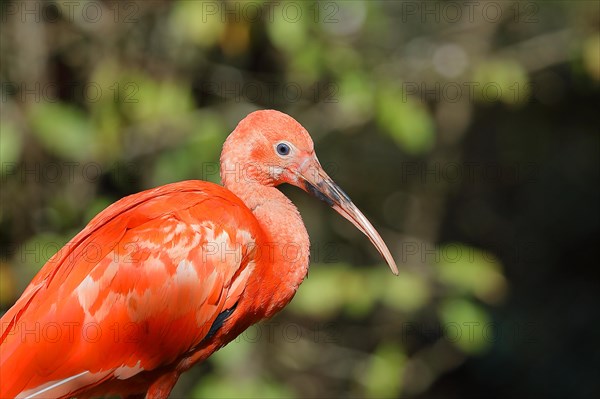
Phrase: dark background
[466,131]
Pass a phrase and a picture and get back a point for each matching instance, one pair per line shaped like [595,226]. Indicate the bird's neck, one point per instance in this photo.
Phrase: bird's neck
[284,257]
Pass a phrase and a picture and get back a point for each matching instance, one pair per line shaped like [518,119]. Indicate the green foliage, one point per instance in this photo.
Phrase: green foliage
[471,271]
[11,144]
[184,25]
[356,292]
[222,388]
[289,37]
[383,378]
[75,131]
[410,292]
[501,80]
[163,87]
[239,358]
[323,298]
[405,120]
[591,55]
[357,94]
[197,157]
[466,325]
[146,100]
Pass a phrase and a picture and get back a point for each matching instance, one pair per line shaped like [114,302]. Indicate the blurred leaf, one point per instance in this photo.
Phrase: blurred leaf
[406,121]
[10,145]
[175,165]
[591,55]
[501,80]
[356,95]
[358,297]
[235,353]
[344,59]
[321,295]
[288,30]
[216,387]
[465,324]
[472,271]
[149,101]
[334,288]
[63,130]
[105,111]
[407,292]
[198,157]
[199,22]
[383,378]
[306,66]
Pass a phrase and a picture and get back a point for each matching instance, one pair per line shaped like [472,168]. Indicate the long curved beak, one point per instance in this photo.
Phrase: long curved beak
[315,181]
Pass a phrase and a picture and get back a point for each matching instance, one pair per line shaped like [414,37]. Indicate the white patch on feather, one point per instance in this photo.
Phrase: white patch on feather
[125,372]
[244,236]
[88,290]
[186,272]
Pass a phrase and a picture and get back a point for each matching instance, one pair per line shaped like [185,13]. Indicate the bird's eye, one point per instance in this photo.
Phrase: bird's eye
[283,149]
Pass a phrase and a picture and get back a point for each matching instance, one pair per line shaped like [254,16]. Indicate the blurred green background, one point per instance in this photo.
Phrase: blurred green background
[467,131]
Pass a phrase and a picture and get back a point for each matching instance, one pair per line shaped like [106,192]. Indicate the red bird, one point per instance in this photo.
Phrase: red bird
[161,279]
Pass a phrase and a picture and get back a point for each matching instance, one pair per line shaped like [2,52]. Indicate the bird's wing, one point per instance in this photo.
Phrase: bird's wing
[137,288]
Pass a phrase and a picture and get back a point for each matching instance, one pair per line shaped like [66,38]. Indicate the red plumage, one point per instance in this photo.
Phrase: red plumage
[161,279]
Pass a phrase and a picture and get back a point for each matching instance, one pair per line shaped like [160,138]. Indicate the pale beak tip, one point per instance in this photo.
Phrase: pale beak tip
[393,267]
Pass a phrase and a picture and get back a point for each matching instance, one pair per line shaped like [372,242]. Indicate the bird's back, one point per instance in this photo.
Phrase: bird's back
[137,289]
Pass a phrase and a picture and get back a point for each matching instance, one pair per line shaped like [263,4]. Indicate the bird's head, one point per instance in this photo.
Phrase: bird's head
[271,148]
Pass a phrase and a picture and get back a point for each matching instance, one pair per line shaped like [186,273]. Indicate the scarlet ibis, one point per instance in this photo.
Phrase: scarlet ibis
[161,279]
